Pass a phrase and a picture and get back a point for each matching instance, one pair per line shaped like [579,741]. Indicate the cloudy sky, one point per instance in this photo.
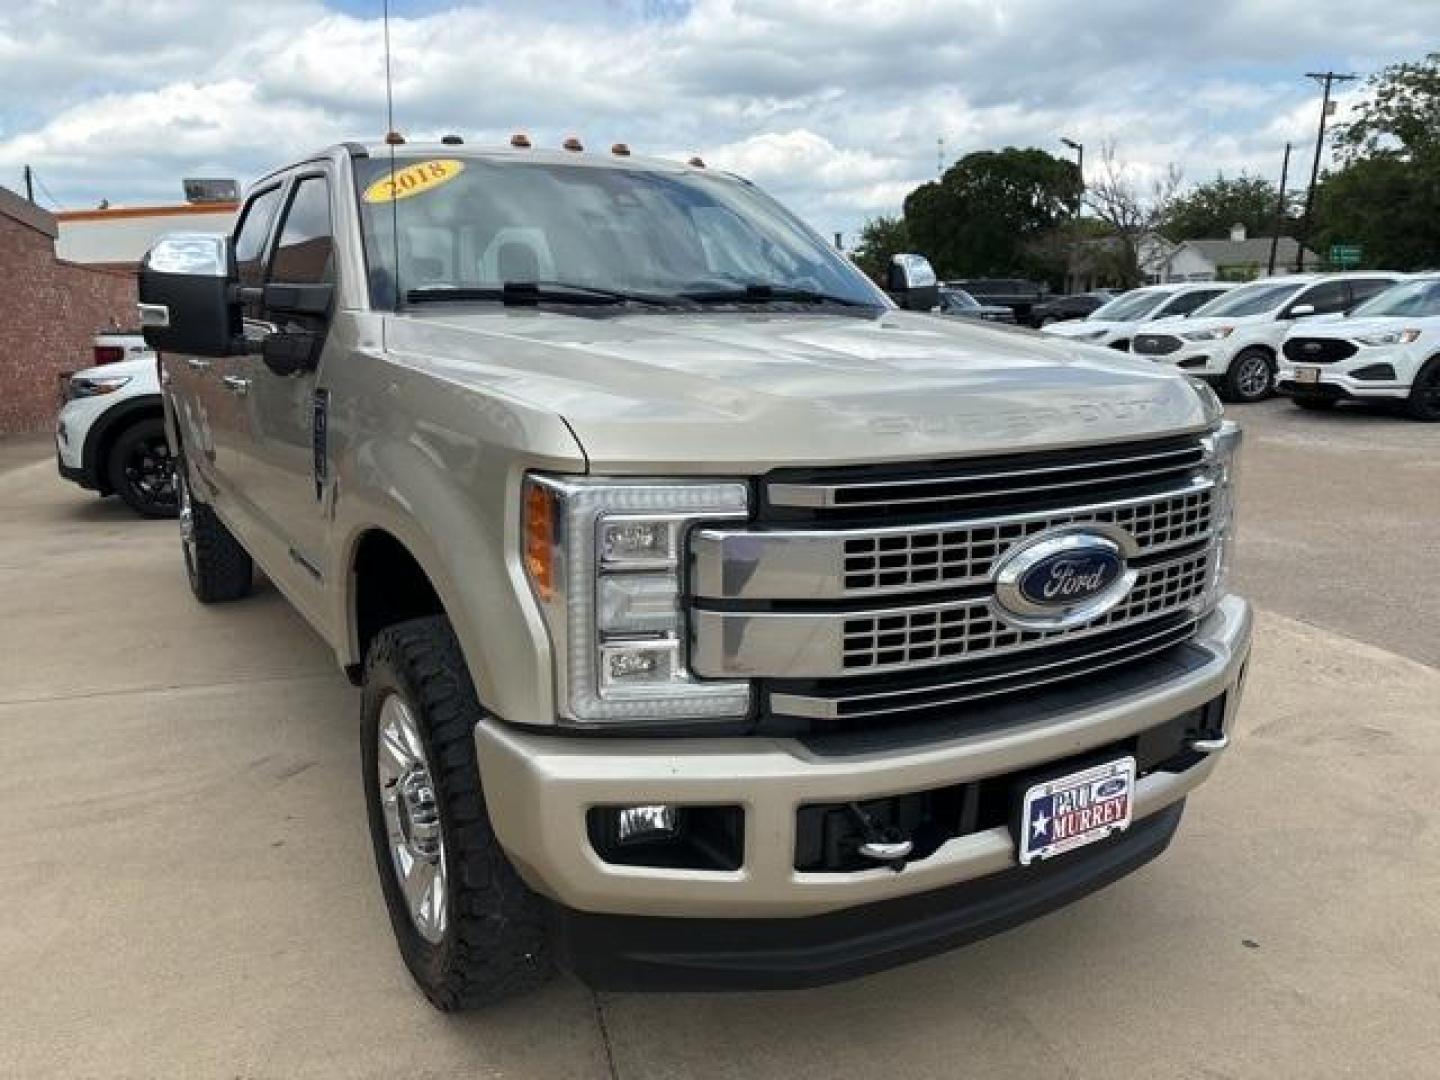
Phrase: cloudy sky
[834,105]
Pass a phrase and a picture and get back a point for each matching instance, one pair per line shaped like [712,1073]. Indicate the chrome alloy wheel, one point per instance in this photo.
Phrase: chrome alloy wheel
[1254,376]
[187,516]
[412,819]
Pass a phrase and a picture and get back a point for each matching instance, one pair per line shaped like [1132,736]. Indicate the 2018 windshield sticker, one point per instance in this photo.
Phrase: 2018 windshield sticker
[414,179]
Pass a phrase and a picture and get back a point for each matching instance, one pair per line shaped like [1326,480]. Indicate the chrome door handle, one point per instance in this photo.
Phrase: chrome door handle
[236,385]
[196,364]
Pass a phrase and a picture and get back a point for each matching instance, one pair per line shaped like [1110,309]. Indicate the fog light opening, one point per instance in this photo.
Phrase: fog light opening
[665,835]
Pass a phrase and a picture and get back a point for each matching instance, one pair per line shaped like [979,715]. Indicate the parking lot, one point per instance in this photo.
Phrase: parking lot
[189,888]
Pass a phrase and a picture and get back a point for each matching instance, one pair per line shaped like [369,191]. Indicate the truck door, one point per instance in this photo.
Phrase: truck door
[208,417]
[278,463]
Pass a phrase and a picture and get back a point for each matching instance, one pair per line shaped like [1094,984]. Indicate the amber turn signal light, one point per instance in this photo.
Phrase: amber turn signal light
[539,526]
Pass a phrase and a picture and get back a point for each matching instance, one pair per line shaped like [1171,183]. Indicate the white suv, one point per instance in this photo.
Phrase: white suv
[110,436]
[1387,349]
[1234,341]
[1116,323]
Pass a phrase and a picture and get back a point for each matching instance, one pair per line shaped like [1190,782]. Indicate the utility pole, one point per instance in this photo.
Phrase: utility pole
[940,157]
[1079,149]
[29,185]
[1326,79]
[1279,211]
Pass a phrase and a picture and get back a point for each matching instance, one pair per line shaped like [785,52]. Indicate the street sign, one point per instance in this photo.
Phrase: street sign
[1345,254]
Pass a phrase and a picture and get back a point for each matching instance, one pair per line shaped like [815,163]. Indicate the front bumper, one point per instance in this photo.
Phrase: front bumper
[1339,380]
[539,787]
[1204,359]
[629,952]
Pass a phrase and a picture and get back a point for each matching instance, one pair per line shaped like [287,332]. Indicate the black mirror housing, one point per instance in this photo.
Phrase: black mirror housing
[290,352]
[911,282]
[187,296]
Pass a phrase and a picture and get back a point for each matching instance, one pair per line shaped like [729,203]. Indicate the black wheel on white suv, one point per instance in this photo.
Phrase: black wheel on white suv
[468,928]
[141,469]
[219,569]
[1424,400]
[1251,377]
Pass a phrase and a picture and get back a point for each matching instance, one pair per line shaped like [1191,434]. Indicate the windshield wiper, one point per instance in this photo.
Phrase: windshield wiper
[772,294]
[530,293]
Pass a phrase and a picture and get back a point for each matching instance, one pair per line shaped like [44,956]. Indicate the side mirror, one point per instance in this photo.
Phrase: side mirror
[1299,311]
[187,301]
[911,282]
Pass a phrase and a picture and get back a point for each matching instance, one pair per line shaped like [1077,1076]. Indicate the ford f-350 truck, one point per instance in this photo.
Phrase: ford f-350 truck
[721,620]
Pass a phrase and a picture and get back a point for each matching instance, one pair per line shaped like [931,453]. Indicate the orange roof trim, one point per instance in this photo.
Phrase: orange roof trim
[112,212]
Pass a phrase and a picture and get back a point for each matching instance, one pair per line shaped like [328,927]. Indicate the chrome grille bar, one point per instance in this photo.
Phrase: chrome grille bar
[832,564]
[825,644]
[989,483]
[1030,674]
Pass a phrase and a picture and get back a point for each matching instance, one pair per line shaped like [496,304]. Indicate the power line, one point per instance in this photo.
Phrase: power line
[1325,79]
[44,190]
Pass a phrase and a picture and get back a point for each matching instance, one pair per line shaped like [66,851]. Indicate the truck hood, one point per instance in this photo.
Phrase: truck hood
[741,392]
[1341,327]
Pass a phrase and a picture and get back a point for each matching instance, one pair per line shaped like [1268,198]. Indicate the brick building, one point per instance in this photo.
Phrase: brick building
[49,311]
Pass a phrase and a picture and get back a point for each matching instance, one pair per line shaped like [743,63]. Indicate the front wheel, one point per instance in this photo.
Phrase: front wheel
[141,470]
[1424,400]
[1250,378]
[468,928]
[219,569]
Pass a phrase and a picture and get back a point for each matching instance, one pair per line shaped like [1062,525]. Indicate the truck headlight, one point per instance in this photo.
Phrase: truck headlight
[605,560]
[1215,333]
[1223,459]
[1388,337]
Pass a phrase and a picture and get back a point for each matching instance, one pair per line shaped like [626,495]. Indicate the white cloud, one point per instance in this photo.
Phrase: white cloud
[835,105]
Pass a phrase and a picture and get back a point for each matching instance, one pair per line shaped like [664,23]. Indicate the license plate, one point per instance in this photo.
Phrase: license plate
[1307,374]
[1069,812]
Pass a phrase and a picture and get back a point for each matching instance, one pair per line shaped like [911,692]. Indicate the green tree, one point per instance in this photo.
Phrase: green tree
[1207,211]
[980,218]
[1399,116]
[880,238]
[1385,196]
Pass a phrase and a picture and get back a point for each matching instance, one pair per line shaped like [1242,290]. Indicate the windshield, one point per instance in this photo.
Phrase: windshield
[1131,306]
[477,224]
[1250,299]
[1411,298]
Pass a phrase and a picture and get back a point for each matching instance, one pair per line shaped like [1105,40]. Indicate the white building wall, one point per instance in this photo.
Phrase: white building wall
[125,238]
[1187,264]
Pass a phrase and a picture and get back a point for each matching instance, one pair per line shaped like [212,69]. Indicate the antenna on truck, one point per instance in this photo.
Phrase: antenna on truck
[392,138]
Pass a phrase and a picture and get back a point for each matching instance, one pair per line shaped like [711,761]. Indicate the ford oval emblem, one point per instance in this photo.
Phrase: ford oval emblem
[1061,580]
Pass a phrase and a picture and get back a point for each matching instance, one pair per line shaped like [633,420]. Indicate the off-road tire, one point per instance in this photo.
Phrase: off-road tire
[1314,404]
[1424,400]
[495,944]
[1236,387]
[219,569]
[146,492]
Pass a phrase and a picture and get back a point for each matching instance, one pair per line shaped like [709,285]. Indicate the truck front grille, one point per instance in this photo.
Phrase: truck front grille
[923,637]
[1306,350]
[1155,344]
[837,614]
[930,558]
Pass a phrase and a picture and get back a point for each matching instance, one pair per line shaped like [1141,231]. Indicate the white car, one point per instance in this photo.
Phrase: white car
[110,436]
[1234,341]
[1116,323]
[1388,349]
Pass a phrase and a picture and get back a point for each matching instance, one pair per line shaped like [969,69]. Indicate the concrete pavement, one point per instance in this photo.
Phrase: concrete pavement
[189,890]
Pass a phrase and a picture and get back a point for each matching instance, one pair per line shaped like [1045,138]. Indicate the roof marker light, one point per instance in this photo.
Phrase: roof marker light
[520,140]
[574,144]
[620,150]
